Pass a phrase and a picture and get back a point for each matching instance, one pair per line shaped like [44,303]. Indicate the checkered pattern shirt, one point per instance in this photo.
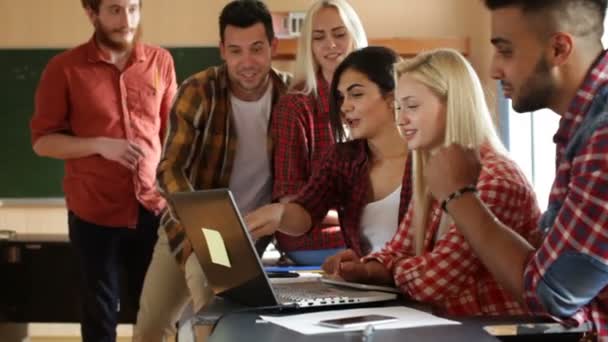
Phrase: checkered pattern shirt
[580,186]
[342,182]
[447,273]
[201,143]
[302,132]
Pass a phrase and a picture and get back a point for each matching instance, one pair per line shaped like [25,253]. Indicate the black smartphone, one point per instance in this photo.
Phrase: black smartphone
[357,321]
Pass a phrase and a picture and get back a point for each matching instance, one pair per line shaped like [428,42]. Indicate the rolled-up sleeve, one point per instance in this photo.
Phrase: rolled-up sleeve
[570,268]
[570,283]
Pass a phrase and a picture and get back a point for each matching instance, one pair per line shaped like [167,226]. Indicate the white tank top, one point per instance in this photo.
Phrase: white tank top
[379,221]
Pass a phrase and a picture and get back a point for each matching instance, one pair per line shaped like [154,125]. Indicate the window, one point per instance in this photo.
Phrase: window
[531,146]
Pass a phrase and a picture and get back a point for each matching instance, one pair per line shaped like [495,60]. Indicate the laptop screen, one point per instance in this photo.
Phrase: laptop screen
[223,246]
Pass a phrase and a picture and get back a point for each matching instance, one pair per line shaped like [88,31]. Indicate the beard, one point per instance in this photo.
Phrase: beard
[536,91]
[104,36]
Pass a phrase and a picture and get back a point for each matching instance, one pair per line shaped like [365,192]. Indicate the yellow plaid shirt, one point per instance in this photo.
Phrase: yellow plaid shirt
[201,143]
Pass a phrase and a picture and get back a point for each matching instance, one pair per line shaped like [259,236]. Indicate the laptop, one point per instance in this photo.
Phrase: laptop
[225,251]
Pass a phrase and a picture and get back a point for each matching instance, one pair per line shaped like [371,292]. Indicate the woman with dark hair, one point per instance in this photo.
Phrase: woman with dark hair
[366,176]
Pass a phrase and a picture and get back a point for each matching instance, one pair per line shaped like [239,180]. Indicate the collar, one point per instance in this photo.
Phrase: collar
[596,77]
[95,54]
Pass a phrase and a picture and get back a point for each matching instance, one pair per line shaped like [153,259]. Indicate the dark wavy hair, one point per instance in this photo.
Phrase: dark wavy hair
[580,17]
[532,5]
[246,13]
[376,63]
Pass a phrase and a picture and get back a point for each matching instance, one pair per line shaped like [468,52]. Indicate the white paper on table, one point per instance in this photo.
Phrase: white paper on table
[308,323]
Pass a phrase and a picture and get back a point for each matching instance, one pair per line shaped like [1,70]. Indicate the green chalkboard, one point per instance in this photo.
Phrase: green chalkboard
[22,173]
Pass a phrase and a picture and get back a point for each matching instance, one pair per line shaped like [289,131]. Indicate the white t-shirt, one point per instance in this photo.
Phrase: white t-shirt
[379,220]
[251,181]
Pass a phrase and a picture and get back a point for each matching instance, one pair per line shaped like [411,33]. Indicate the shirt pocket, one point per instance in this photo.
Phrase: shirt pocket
[149,99]
[145,105]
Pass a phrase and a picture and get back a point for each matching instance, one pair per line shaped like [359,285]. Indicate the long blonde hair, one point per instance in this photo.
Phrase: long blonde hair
[306,67]
[468,121]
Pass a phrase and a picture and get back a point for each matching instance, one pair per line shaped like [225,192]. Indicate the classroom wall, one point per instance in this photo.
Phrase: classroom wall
[62,23]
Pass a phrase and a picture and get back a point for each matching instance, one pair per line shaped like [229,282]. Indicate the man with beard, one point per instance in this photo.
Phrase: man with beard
[217,138]
[548,55]
[102,107]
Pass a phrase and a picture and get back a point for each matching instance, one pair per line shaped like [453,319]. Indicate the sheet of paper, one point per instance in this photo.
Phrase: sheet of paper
[406,318]
[217,248]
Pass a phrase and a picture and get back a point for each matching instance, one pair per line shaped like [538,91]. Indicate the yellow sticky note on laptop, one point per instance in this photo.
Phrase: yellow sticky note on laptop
[217,248]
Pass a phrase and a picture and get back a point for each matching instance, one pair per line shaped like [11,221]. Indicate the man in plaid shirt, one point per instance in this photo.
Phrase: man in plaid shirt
[548,55]
[217,138]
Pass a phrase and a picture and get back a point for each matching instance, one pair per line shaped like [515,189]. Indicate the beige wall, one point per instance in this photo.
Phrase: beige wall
[62,23]
[416,18]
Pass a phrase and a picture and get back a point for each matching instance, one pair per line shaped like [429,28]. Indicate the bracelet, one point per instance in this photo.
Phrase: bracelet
[456,194]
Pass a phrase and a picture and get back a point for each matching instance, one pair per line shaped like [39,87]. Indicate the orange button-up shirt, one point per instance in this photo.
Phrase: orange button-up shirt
[81,94]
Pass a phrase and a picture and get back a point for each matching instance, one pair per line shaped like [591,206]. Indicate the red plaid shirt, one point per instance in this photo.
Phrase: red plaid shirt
[580,185]
[301,131]
[448,274]
[342,182]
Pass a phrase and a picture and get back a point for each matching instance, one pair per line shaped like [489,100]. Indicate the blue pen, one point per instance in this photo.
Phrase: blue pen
[368,334]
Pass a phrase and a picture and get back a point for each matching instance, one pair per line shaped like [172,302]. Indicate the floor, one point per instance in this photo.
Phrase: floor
[38,332]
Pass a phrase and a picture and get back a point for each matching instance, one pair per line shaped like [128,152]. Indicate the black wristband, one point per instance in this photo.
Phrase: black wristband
[456,194]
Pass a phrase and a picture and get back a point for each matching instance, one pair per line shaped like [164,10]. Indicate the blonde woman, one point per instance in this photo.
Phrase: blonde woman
[440,101]
[300,126]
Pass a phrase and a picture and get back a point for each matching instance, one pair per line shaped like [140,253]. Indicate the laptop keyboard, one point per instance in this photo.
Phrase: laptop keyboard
[314,293]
